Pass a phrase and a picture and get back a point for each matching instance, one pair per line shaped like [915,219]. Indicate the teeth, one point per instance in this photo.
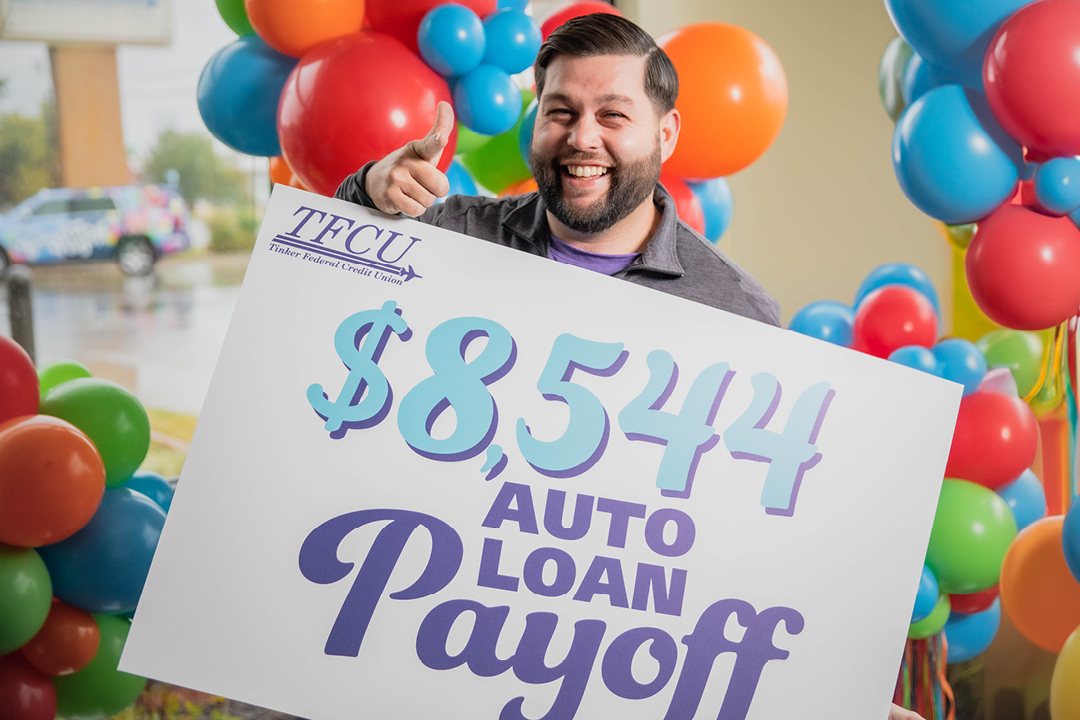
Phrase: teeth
[586,170]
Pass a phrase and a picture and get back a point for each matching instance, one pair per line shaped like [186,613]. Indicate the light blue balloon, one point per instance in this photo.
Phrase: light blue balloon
[952,34]
[917,357]
[920,77]
[927,596]
[1057,185]
[487,100]
[826,320]
[960,361]
[898,274]
[451,39]
[513,39]
[970,635]
[1070,540]
[1026,498]
[1075,217]
[238,95]
[716,203]
[102,568]
[525,134]
[153,486]
[519,5]
[950,158]
[461,182]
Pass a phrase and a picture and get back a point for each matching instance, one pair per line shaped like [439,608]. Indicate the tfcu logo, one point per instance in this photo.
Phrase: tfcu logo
[327,239]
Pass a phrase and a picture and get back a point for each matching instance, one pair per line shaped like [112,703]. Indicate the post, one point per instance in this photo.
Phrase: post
[20,309]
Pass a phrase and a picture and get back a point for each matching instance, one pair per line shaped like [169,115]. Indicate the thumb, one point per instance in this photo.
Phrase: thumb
[433,144]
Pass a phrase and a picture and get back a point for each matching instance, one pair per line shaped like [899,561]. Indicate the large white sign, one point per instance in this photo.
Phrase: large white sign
[439,478]
[146,22]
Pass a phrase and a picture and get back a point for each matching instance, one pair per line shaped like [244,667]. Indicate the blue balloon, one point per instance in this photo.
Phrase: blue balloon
[519,5]
[152,486]
[826,320]
[717,204]
[898,274]
[525,134]
[1075,217]
[238,95]
[1057,185]
[952,34]
[487,100]
[513,39]
[102,568]
[1026,498]
[915,356]
[919,78]
[451,39]
[927,596]
[1070,539]
[960,361]
[969,635]
[951,158]
[461,183]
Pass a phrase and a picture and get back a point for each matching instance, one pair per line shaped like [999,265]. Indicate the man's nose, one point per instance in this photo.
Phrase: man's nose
[586,134]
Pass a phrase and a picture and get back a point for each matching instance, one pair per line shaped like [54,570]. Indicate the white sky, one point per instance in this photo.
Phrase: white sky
[157,84]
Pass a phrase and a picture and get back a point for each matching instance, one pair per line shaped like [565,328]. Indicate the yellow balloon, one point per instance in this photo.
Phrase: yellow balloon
[1065,685]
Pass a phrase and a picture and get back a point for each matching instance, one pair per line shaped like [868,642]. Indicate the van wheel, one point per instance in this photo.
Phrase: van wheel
[4,261]
[136,256]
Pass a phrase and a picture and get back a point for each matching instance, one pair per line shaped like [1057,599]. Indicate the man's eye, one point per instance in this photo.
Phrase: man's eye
[559,111]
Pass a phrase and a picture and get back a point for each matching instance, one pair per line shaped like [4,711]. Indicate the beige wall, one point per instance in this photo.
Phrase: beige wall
[822,207]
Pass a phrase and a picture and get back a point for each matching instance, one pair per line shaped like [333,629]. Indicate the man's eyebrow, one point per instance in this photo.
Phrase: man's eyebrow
[613,97]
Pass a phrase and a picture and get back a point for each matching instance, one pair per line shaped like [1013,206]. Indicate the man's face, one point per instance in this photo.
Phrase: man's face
[598,142]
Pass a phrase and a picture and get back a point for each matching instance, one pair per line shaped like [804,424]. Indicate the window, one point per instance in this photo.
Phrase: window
[92,204]
[51,207]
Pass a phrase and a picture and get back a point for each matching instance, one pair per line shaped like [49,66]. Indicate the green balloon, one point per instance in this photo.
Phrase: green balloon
[891,76]
[468,141]
[932,623]
[60,372]
[99,690]
[235,16]
[113,419]
[25,596]
[497,164]
[1019,351]
[973,529]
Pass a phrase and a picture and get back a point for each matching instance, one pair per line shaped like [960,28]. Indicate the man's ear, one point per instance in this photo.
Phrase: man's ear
[669,133]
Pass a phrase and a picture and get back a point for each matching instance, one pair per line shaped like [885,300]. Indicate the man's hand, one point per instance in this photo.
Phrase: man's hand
[408,180]
[899,713]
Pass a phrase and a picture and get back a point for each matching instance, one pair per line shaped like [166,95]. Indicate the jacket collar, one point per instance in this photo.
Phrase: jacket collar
[529,221]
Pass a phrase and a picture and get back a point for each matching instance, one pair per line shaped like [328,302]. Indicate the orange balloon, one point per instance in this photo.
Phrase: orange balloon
[1038,592]
[521,187]
[282,174]
[51,480]
[733,97]
[66,643]
[295,26]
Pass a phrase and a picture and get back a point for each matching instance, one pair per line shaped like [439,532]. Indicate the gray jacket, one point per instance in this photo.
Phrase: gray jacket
[677,260]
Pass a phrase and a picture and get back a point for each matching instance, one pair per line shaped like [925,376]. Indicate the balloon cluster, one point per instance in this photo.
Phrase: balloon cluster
[989,491]
[79,525]
[986,95]
[330,85]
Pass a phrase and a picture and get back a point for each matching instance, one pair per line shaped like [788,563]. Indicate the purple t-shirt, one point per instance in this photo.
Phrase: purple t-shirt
[567,254]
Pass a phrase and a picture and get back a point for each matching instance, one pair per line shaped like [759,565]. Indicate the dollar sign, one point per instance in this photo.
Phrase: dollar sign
[366,397]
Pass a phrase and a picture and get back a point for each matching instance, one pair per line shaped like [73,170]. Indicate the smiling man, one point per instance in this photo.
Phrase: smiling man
[606,122]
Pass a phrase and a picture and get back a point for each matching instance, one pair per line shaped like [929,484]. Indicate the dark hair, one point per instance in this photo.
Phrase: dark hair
[605,34]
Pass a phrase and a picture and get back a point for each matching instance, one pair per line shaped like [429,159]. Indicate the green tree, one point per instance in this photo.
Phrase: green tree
[28,155]
[203,174]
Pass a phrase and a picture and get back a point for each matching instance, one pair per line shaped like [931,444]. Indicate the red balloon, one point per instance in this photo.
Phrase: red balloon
[686,203]
[974,602]
[66,643]
[352,100]
[51,480]
[995,439]
[25,693]
[893,317]
[1032,76]
[19,392]
[1023,268]
[573,10]
[401,18]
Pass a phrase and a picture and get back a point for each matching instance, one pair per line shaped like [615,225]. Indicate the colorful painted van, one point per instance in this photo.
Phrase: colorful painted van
[133,224]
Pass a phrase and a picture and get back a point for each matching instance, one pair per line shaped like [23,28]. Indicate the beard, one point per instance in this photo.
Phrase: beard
[629,185]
